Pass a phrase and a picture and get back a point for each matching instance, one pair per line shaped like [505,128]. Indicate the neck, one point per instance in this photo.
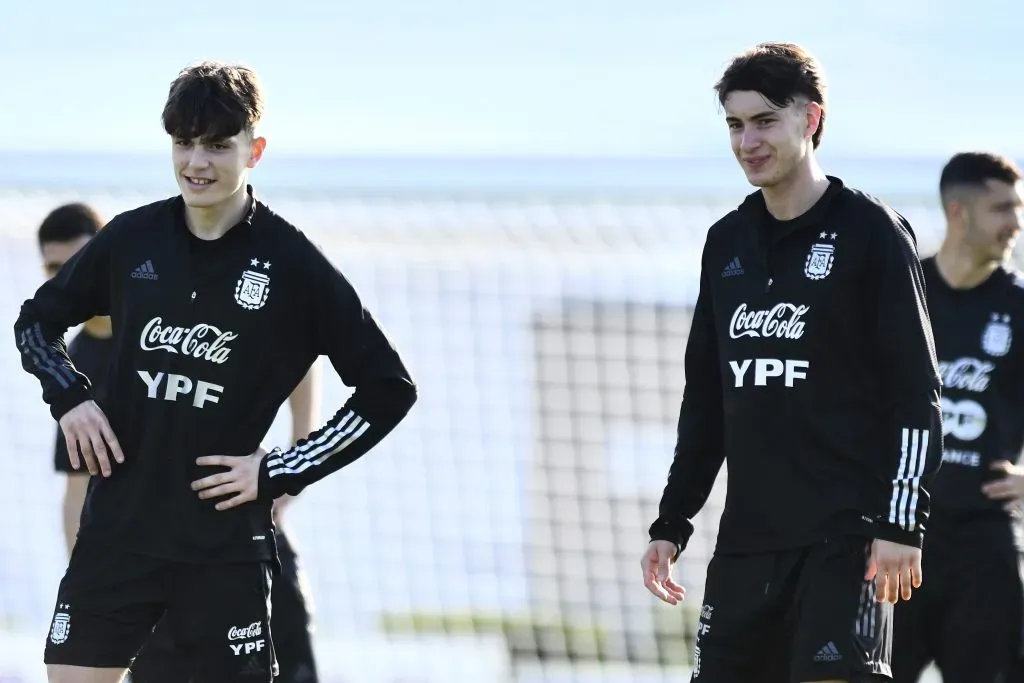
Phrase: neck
[960,268]
[213,222]
[795,195]
[99,327]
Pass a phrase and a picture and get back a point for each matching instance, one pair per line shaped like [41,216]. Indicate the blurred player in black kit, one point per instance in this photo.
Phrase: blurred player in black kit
[967,617]
[64,231]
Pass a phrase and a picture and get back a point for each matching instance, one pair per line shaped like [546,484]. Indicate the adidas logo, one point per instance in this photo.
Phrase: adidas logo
[145,272]
[733,268]
[829,653]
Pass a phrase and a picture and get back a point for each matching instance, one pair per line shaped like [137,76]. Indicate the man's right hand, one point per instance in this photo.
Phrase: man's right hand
[657,565]
[85,427]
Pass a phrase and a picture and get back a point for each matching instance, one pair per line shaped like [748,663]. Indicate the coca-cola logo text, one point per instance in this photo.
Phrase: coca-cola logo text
[244,632]
[783,321]
[966,374]
[199,341]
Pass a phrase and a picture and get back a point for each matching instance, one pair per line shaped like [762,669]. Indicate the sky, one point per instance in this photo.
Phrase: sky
[498,78]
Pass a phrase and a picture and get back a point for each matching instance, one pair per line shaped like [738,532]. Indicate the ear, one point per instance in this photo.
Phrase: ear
[812,114]
[256,151]
[956,213]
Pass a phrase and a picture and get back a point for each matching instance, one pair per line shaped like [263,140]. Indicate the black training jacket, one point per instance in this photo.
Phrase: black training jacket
[811,371]
[210,339]
[979,341]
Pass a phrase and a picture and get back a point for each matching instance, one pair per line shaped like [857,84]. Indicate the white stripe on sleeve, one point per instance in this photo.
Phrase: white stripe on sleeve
[906,487]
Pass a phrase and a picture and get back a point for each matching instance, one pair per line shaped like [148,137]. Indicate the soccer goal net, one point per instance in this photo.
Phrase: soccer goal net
[497,533]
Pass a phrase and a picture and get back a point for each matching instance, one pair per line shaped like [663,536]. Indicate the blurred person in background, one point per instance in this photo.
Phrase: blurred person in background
[64,231]
[967,618]
[61,234]
[810,369]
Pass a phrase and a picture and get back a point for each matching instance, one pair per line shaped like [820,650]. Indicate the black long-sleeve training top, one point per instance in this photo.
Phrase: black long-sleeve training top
[811,370]
[211,337]
[978,337]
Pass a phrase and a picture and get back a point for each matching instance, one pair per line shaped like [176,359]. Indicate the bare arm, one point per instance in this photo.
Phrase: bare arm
[74,499]
[304,404]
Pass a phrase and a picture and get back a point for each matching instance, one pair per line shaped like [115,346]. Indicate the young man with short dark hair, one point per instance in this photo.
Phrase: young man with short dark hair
[219,307]
[967,618]
[810,368]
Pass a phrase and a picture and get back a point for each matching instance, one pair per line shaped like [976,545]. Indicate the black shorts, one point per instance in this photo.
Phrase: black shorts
[159,661]
[801,615]
[108,603]
[966,617]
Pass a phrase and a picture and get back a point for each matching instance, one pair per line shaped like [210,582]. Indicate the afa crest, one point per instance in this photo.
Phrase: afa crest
[61,628]
[998,335]
[819,261]
[253,288]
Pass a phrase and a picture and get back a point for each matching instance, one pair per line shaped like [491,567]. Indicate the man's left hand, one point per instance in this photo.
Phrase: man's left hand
[241,479]
[895,569]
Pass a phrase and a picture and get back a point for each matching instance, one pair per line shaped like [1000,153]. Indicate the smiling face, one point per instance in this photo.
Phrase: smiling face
[210,172]
[211,115]
[770,142]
